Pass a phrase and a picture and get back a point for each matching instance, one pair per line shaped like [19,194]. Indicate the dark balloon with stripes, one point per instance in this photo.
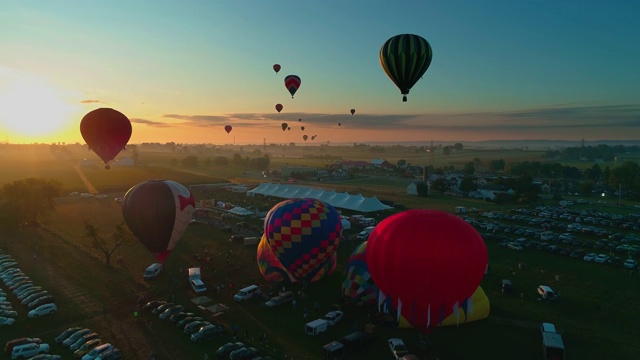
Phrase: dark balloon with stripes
[405,58]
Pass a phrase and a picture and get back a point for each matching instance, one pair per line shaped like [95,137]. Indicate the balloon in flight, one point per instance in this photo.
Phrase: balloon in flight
[279,107]
[276,68]
[302,128]
[405,58]
[292,83]
[426,263]
[284,126]
[228,128]
[158,212]
[106,131]
[305,137]
[353,111]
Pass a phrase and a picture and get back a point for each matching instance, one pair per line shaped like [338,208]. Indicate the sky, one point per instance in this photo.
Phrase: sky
[182,71]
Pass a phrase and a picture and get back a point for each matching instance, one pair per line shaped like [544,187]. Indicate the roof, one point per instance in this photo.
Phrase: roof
[552,340]
[378,161]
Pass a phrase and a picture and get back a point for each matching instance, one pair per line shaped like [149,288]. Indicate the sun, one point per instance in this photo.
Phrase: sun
[32,108]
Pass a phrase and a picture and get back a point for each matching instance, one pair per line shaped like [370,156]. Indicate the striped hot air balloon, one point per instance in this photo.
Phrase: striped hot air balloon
[292,83]
[405,58]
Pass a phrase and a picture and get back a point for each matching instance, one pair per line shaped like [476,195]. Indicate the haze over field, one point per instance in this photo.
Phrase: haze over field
[501,70]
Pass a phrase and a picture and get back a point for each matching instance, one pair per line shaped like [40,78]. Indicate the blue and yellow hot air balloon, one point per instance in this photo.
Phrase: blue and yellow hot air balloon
[303,235]
[357,284]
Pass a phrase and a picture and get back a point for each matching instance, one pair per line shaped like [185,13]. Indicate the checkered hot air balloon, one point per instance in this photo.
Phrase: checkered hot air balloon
[357,285]
[303,234]
[269,265]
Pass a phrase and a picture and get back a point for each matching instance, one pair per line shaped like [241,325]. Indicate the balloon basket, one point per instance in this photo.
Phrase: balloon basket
[107,167]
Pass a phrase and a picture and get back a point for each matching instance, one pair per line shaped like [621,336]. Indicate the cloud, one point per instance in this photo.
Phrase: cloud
[151,123]
[91,101]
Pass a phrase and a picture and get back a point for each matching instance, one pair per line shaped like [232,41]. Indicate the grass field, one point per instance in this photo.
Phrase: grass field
[596,313]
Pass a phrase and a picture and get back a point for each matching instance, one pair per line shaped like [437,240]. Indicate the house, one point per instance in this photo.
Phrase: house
[382,164]
[357,164]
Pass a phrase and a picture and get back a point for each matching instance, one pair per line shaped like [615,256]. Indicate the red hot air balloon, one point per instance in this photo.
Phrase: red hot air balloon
[353,111]
[276,67]
[228,128]
[106,131]
[158,212]
[279,107]
[305,137]
[426,263]
[292,83]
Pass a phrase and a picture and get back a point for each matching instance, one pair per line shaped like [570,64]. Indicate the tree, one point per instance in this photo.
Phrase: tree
[106,247]
[440,184]
[446,150]
[190,161]
[469,168]
[30,198]
[221,161]
[401,163]
[457,146]
[237,159]
[497,165]
[477,162]
[422,188]
[468,184]
[261,163]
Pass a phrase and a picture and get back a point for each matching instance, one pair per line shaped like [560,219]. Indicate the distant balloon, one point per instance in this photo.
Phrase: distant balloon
[405,58]
[276,68]
[302,128]
[289,128]
[305,137]
[299,119]
[279,107]
[228,128]
[106,131]
[353,111]
[158,212]
[284,126]
[339,124]
[292,83]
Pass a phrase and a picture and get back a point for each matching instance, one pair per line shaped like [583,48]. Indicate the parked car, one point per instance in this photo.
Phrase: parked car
[194,326]
[32,290]
[46,299]
[282,298]
[46,357]
[160,309]
[333,317]
[65,334]
[153,304]
[20,341]
[44,309]
[589,257]
[8,313]
[398,348]
[170,311]
[84,339]
[226,349]
[182,323]
[630,264]
[601,258]
[506,286]
[87,347]
[179,316]
[75,336]
[112,354]
[6,321]
[27,351]
[208,332]
[244,353]
[547,293]
[97,351]
[34,296]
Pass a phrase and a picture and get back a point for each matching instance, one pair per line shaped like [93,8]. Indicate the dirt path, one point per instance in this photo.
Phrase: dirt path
[90,188]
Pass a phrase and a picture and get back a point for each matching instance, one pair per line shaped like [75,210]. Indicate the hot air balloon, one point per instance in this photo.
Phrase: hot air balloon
[339,124]
[289,128]
[305,137]
[405,58]
[284,126]
[299,119]
[228,128]
[292,83]
[158,212]
[353,111]
[303,234]
[426,263]
[279,107]
[106,131]
[276,68]
[357,283]
[302,128]
[269,265]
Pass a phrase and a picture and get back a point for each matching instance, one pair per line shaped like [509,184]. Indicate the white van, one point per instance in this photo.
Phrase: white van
[152,271]
[247,293]
[461,210]
[364,234]
[316,327]
[198,286]
[26,351]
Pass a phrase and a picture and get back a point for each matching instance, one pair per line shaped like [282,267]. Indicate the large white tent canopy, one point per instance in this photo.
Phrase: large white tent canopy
[338,200]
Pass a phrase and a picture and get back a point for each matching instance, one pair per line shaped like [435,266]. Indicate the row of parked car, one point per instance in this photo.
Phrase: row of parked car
[191,324]
[87,344]
[37,300]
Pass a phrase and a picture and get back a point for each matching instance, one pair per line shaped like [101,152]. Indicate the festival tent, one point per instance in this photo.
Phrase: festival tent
[240,211]
[339,200]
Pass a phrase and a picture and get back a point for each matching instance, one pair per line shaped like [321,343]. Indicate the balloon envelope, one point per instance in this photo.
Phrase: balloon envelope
[106,131]
[353,111]
[357,284]
[405,58]
[228,128]
[292,83]
[279,107]
[276,68]
[158,212]
[269,265]
[305,137]
[427,263]
[284,126]
[302,128]
[303,234]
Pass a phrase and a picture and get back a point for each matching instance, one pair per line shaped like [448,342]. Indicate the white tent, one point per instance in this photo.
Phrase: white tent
[240,211]
[338,200]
